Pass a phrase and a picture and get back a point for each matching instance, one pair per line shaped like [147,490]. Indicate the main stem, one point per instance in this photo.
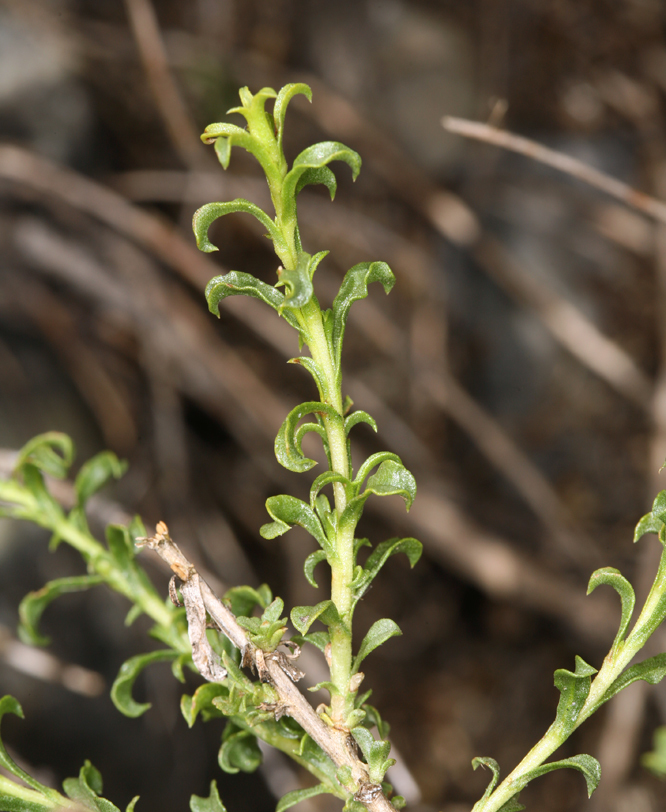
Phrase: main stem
[342,569]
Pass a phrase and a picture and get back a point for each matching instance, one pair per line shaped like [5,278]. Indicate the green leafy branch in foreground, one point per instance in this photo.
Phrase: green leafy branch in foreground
[335,743]
[585,690]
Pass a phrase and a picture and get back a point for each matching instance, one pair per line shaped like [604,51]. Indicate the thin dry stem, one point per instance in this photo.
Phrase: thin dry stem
[291,700]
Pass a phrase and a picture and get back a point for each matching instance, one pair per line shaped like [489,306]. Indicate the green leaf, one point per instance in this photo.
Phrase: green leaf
[202,702]
[314,369]
[121,691]
[574,688]
[206,215]
[359,417]
[95,473]
[653,522]
[236,283]
[10,705]
[354,287]
[273,611]
[243,599]
[239,751]
[86,788]
[587,765]
[51,453]
[375,753]
[315,176]
[287,511]
[47,512]
[288,440]
[310,563]
[302,617]
[285,95]
[210,804]
[380,631]
[655,761]
[392,478]
[315,157]
[652,670]
[252,141]
[491,764]
[297,282]
[372,461]
[327,478]
[380,555]
[614,578]
[34,604]
[318,639]
[296,796]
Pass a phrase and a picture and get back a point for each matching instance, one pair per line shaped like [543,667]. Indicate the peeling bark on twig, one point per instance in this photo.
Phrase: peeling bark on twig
[274,667]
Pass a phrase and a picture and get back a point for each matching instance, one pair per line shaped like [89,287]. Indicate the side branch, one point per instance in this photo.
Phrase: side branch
[274,668]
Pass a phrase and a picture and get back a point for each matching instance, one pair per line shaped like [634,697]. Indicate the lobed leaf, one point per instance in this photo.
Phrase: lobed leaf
[574,688]
[288,440]
[206,215]
[210,804]
[613,577]
[33,605]
[380,631]
[121,690]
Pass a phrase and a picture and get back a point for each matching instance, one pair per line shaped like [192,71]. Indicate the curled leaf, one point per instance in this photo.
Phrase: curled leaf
[613,577]
[288,440]
[302,617]
[287,511]
[372,461]
[491,764]
[316,157]
[327,478]
[239,751]
[354,287]
[574,688]
[310,563]
[379,556]
[121,691]
[33,605]
[52,453]
[587,765]
[359,417]
[236,283]
[285,95]
[380,631]
[652,670]
[206,215]
[296,796]
[210,804]
[95,473]
[391,479]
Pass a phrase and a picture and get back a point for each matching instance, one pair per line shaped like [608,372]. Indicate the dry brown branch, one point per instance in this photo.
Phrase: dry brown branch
[337,745]
[654,208]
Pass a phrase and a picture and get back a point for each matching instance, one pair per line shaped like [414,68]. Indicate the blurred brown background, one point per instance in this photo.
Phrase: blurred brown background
[518,367]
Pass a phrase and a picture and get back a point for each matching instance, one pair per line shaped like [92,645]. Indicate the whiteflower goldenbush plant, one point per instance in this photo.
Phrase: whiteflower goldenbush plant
[238,644]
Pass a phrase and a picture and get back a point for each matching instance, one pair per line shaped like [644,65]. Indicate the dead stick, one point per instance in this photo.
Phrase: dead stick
[654,208]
